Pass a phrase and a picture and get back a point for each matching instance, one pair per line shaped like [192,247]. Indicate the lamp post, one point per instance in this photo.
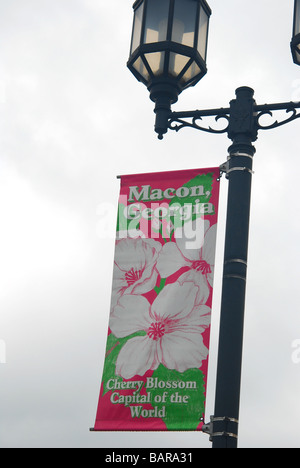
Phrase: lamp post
[168,54]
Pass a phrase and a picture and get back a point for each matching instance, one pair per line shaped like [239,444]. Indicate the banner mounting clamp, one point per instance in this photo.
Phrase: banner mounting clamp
[210,427]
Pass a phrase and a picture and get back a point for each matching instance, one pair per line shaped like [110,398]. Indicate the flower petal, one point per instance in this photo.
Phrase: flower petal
[136,253]
[153,244]
[170,260]
[209,247]
[136,259]
[119,281]
[131,314]
[175,301]
[190,238]
[136,357]
[198,320]
[125,255]
[210,276]
[146,283]
[183,351]
[199,280]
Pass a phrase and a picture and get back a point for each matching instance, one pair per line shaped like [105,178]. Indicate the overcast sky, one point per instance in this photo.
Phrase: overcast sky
[72,118]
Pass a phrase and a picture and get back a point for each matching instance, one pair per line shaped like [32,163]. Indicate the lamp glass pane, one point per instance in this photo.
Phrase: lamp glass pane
[157,16]
[297,17]
[156,61]
[297,53]
[184,23]
[137,27]
[191,72]
[177,63]
[202,37]
[141,69]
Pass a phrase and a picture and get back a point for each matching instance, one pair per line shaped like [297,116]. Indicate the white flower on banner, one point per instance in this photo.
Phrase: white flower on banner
[194,248]
[135,267]
[174,325]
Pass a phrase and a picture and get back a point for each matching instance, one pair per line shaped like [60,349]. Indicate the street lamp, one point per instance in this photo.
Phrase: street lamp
[295,44]
[168,49]
[175,33]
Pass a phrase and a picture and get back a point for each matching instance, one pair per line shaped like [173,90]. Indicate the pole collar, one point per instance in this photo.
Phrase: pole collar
[209,428]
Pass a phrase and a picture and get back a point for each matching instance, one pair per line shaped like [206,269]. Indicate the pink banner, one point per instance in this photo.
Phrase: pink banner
[156,363]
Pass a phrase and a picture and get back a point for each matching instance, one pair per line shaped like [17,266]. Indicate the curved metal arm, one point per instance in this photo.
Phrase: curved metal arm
[173,124]
[179,120]
[291,108]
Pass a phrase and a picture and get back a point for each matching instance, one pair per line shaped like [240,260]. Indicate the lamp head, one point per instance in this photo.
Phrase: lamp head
[168,50]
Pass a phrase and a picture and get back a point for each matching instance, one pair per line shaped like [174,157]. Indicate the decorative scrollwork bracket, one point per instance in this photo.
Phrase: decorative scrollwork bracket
[234,119]
[289,107]
[177,120]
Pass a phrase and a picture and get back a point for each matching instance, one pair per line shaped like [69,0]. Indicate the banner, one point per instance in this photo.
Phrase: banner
[156,362]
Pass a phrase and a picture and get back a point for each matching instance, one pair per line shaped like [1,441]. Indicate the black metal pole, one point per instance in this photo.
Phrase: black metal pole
[243,123]
[242,131]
